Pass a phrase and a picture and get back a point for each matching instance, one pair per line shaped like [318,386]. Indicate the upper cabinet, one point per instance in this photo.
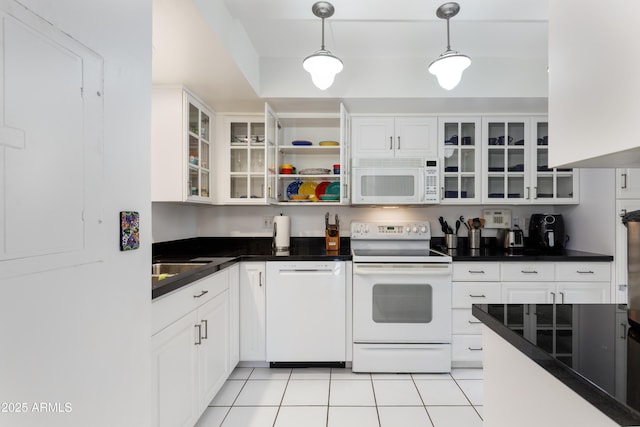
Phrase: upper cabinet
[593,82]
[180,147]
[516,164]
[385,137]
[313,158]
[460,159]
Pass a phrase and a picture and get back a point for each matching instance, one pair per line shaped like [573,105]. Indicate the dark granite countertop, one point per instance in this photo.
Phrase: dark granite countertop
[588,347]
[221,252]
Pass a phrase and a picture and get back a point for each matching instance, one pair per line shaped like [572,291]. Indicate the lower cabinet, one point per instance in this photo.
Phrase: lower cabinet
[190,350]
[252,312]
[234,316]
[518,283]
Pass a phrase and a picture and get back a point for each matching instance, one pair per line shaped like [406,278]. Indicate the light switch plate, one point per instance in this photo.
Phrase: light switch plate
[497,218]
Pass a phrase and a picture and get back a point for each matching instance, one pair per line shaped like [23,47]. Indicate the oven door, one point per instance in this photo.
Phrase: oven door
[402,303]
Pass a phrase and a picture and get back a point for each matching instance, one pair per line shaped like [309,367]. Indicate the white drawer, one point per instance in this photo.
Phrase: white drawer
[464,323]
[528,272]
[583,272]
[464,294]
[466,348]
[172,306]
[476,271]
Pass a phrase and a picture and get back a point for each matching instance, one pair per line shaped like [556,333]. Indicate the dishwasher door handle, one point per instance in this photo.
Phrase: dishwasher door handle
[310,271]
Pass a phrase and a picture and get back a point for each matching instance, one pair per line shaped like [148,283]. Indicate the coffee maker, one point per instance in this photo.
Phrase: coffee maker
[546,232]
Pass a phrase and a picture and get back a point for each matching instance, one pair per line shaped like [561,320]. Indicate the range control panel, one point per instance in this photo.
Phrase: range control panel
[397,230]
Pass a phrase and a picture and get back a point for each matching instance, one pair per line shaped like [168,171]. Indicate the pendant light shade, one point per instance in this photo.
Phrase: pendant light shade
[448,67]
[322,65]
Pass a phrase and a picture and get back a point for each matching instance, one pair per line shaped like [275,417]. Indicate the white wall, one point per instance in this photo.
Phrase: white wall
[82,334]
[174,221]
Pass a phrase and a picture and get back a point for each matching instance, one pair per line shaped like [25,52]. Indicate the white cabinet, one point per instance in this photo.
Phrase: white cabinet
[252,311]
[622,274]
[190,350]
[181,129]
[516,164]
[234,316]
[627,183]
[315,164]
[460,159]
[375,137]
[472,283]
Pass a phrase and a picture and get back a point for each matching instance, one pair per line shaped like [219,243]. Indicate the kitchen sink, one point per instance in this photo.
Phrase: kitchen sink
[162,270]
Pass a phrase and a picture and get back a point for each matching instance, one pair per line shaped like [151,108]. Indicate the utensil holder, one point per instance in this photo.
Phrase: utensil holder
[451,240]
[475,235]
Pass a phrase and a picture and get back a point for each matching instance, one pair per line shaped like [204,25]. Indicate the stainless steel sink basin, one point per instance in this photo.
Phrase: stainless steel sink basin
[163,270]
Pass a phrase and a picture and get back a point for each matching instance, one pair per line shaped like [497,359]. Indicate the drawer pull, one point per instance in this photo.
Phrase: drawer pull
[201,294]
[476,271]
[528,271]
[206,330]
[475,348]
[199,337]
[477,296]
[471,322]
[585,272]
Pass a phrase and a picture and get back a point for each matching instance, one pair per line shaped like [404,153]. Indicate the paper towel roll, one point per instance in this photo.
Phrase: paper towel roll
[281,232]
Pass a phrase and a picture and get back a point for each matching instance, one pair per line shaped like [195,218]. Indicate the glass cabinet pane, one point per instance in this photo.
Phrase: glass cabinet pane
[239,160]
[194,182]
[257,133]
[205,155]
[204,179]
[515,160]
[542,160]
[495,162]
[239,133]
[257,187]
[451,160]
[544,188]
[515,188]
[194,150]
[496,187]
[257,160]
[565,186]
[467,160]
[204,126]
[194,119]
[238,187]
[468,187]
[516,134]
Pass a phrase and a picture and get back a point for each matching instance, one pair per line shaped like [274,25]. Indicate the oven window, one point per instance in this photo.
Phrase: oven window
[387,185]
[402,303]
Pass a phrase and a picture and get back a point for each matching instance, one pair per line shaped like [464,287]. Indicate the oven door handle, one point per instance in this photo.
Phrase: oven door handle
[402,269]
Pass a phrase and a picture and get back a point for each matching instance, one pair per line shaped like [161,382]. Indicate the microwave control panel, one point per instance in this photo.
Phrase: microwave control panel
[431,193]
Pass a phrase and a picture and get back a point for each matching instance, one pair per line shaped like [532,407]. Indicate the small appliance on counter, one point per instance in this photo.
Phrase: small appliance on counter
[510,238]
[546,232]
[332,234]
[281,233]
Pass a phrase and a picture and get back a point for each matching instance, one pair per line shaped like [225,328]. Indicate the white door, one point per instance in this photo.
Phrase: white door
[373,137]
[628,183]
[584,292]
[234,316]
[416,137]
[527,292]
[252,311]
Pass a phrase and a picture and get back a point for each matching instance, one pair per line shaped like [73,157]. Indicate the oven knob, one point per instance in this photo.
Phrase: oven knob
[423,229]
[415,229]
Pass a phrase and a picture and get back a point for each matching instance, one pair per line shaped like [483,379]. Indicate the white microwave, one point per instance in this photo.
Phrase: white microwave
[403,181]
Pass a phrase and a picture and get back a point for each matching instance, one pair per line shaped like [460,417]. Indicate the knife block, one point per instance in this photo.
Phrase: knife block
[332,242]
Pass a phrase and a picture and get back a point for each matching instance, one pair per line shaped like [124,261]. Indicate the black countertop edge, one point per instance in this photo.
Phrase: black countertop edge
[171,284]
[566,255]
[607,404]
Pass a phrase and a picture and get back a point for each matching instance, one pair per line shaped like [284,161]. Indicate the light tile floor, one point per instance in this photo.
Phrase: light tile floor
[264,397]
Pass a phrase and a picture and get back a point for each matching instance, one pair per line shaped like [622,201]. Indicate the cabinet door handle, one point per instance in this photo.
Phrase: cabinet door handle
[526,309]
[260,278]
[472,322]
[398,143]
[561,297]
[585,272]
[535,190]
[390,143]
[624,181]
[527,189]
[476,271]
[201,294]
[553,297]
[528,271]
[478,296]
[475,348]
[623,334]
[206,329]
[623,212]
[199,337]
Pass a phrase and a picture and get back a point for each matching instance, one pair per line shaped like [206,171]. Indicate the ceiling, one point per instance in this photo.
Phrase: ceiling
[235,53]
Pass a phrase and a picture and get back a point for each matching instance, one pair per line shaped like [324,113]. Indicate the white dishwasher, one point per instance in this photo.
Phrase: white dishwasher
[306,313]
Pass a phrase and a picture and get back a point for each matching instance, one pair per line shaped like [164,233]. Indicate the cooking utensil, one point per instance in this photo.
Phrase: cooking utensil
[443,225]
[457,226]
[476,222]
[464,222]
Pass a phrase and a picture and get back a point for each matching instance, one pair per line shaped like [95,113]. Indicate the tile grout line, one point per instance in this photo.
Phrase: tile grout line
[375,401]
[236,398]
[467,397]
[424,405]
[282,398]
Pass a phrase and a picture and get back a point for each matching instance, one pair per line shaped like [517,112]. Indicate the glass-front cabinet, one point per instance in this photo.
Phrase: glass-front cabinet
[460,159]
[506,168]
[550,185]
[199,148]
[251,142]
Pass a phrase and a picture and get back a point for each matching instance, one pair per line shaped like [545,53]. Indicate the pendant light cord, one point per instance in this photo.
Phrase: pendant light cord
[322,46]
[448,42]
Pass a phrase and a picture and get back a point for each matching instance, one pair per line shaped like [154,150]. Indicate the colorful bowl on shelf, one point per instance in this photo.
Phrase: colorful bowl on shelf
[329,197]
[299,197]
[301,142]
[328,143]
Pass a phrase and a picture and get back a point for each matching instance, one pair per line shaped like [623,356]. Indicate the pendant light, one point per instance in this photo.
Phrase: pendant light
[322,65]
[449,66]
